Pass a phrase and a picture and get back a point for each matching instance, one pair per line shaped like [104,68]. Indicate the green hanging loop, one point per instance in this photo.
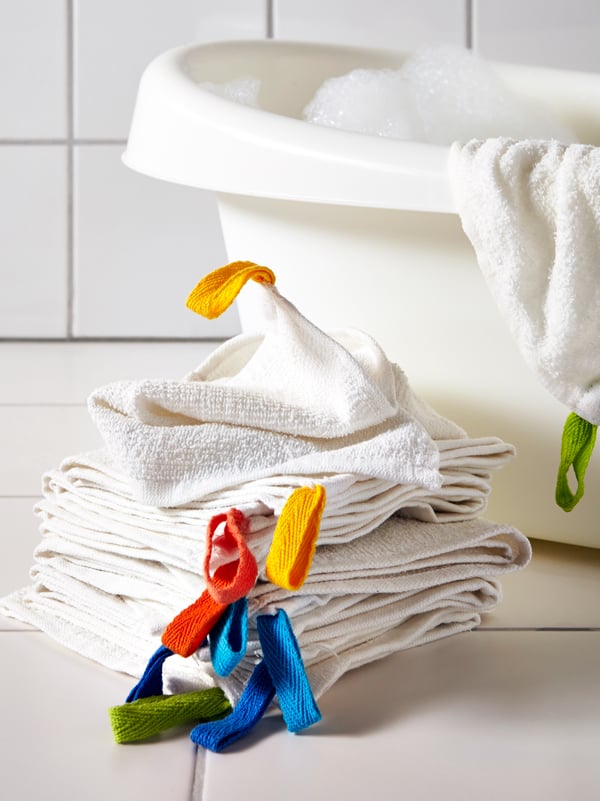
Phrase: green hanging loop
[145,717]
[578,440]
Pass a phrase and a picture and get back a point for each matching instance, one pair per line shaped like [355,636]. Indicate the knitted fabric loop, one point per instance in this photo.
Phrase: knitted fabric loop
[578,440]
[151,682]
[252,705]
[188,630]
[229,637]
[216,291]
[295,537]
[235,579]
[282,657]
[148,716]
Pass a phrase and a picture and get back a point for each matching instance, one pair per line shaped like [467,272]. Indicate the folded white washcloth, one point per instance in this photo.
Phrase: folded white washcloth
[94,532]
[87,500]
[404,583]
[531,209]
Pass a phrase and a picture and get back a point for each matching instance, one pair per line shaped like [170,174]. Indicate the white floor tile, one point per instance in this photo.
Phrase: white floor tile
[51,373]
[35,439]
[494,715]
[560,588]
[56,741]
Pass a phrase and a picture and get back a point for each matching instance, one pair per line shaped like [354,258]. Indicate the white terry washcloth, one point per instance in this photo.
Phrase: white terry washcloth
[531,209]
[405,583]
[178,442]
[97,540]
[290,401]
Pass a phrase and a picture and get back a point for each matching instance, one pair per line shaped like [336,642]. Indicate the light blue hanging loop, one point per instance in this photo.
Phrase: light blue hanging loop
[229,637]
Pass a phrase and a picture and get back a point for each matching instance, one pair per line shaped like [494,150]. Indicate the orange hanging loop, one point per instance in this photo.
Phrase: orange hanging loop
[188,630]
[235,579]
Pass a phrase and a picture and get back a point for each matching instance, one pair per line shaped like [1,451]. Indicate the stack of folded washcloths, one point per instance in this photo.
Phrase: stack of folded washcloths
[289,511]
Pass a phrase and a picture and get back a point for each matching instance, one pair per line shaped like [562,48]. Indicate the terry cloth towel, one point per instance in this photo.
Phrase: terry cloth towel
[337,504]
[99,543]
[291,401]
[331,406]
[532,212]
[405,583]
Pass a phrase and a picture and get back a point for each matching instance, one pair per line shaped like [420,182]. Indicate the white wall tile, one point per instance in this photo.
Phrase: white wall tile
[33,241]
[33,69]
[141,247]
[66,372]
[115,40]
[557,33]
[395,24]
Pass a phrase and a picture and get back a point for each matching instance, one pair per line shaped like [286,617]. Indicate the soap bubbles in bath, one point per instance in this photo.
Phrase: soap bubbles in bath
[375,102]
[439,95]
[243,90]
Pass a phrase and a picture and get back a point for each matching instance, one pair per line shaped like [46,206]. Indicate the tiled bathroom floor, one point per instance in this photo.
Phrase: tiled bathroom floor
[511,711]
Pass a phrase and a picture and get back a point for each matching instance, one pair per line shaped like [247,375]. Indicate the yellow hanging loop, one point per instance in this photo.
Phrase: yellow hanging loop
[295,537]
[216,291]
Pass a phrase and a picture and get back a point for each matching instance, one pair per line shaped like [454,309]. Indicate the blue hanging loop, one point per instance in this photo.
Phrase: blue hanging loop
[257,695]
[283,659]
[151,682]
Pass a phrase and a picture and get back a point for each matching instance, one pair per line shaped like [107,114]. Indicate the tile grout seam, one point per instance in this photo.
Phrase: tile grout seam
[469,24]
[270,19]
[70,170]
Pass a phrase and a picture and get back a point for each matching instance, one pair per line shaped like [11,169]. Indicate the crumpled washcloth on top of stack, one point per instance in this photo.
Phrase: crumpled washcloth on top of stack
[382,551]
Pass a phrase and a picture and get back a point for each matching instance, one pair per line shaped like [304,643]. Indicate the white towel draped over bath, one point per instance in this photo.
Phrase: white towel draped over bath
[532,212]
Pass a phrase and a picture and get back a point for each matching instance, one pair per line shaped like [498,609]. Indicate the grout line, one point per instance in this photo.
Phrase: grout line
[70,166]
[78,340]
[537,628]
[70,140]
[89,141]
[199,778]
[20,497]
[469,23]
[19,142]
[20,631]
[43,404]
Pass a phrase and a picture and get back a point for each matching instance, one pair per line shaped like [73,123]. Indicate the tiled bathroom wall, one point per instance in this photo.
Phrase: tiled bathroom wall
[89,249]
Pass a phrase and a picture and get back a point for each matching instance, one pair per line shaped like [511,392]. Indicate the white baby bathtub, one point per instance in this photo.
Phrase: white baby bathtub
[360,232]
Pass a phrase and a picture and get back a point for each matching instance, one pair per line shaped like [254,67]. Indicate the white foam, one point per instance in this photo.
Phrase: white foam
[439,95]
[243,90]
[360,101]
